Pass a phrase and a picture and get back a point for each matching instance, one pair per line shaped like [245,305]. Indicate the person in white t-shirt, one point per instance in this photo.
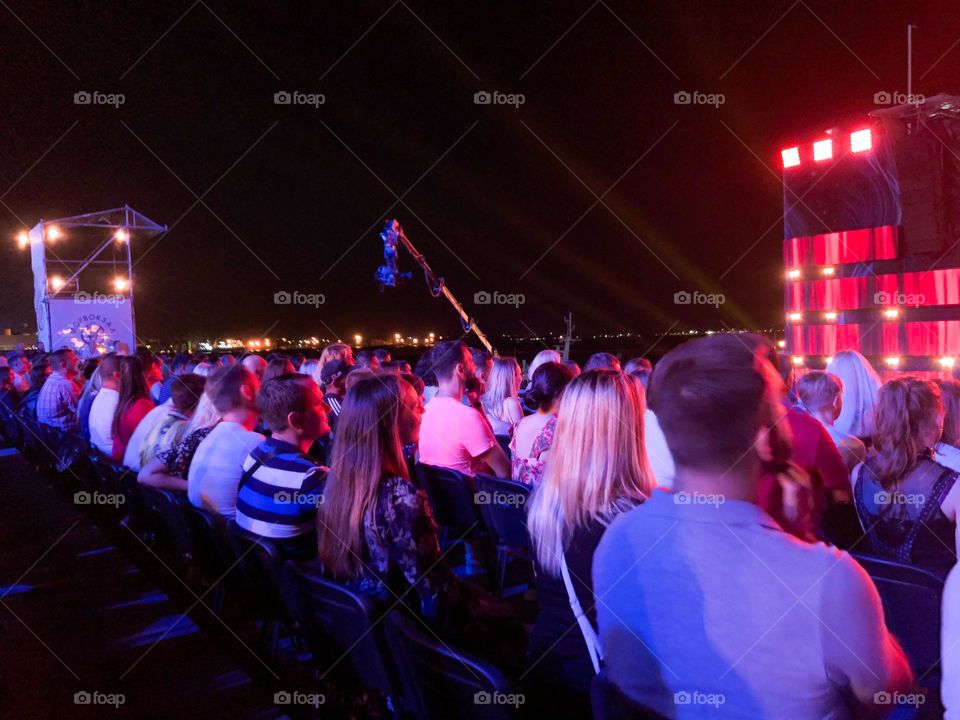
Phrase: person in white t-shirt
[454,435]
[105,404]
[217,466]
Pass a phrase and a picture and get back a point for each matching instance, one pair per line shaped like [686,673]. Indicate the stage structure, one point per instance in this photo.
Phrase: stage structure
[83,279]
[872,239]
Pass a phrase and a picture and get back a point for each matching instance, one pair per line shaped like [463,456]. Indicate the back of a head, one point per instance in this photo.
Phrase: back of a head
[280,365]
[109,365]
[908,415]
[708,395]
[382,354]
[601,361]
[597,460]
[147,359]
[367,448]
[281,395]
[950,396]
[544,356]
[39,371]
[548,383]
[132,382]
[424,369]
[334,351]
[861,387]
[185,392]
[445,357]
[357,374]
[180,362]
[255,364]
[59,359]
[224,387]
[818,390]
[365,358]
[481,358]
[637,364]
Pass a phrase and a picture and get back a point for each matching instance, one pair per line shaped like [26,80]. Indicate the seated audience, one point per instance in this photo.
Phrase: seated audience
[59,397]
[133,404]
[598,470]
[821,395]
[641,368]
[217,465]
[366,359]
[375,527]
[179,366]
[455,435]
[907,503]
[39,372]
[9,397]
[500,400]
[20,364]
[103,406]
[280,487]
[701,594]
[279,365]
[337,351]
[170,427]
[602,361]
[170,469]
[333,379]
[89,393]
[255,364]
[544,356]
[152,373]
[534,435]
[947,451]
[861,386]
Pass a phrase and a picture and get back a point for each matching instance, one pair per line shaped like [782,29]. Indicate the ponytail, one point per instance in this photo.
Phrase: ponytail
[907,407]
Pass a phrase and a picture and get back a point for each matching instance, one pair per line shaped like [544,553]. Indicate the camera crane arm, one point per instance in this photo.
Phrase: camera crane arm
[388,274]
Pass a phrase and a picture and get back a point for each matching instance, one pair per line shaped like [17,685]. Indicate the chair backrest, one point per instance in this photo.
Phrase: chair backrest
[436,678]
[159,510]
[502,505]
[210,545]
[911,599]
[342,628]
[268,585]
[451,495]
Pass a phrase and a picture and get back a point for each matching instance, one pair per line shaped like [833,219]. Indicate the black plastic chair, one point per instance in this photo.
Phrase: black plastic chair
[157,516]
[342,630]
[451,495]
[911,599]
[438,681]
[213,552]
[502,506]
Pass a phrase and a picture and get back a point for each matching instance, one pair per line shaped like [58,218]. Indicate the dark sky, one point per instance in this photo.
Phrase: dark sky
[498,198]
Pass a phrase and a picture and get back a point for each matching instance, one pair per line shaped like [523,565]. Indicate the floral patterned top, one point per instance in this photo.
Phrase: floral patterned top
[401,548]
[529,470]
[178,460]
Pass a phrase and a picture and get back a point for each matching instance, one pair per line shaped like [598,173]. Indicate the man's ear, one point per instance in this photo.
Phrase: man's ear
[248,392]
[293,420]
[763,444]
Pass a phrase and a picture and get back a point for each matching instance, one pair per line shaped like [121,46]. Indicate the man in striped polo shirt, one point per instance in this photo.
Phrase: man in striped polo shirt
[281,485]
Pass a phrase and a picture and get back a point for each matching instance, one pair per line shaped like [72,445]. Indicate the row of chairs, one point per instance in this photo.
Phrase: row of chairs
[358,646]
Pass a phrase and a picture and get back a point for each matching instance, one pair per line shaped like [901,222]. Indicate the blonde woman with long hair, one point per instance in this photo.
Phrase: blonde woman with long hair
[596,470]
[501,402]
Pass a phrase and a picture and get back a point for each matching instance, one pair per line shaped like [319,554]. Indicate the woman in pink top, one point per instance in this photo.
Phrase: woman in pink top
[134,404]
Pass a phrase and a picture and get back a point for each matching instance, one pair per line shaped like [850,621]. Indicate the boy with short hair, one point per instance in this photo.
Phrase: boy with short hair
[280,488]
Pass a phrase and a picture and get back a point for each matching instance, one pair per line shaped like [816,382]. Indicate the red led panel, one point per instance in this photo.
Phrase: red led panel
[889,338]
[936,287]
[850,246]
[834,294]
[933,338]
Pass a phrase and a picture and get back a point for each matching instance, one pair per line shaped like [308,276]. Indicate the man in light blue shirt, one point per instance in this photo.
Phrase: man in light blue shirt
[706,607]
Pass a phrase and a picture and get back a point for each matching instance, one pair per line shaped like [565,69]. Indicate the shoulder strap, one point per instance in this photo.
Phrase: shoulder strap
[589,634]
[257,464]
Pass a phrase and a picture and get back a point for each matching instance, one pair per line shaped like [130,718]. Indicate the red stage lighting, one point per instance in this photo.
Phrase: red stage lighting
[791,157]
[861,141]
[823,150]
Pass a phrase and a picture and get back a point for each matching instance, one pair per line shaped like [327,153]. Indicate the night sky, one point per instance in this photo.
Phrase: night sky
[598,195]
